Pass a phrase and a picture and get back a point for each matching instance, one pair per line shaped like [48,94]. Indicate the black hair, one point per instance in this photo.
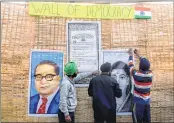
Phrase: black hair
[124,66]
[56,67]
[73,76]
[121,65]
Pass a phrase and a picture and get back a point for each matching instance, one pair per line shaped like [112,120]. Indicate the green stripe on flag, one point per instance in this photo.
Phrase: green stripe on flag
[142,17]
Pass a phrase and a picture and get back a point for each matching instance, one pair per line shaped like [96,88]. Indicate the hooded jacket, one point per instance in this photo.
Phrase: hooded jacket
[68,99]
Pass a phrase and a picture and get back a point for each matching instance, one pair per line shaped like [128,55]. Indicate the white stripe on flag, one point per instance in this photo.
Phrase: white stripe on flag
[147,13]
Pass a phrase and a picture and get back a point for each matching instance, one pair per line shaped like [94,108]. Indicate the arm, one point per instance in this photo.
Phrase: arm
[131,65]
[81,76]
[130,62]
[63,98]
[90,89]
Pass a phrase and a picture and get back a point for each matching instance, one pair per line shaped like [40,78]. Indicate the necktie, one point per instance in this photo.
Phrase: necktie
[42,107]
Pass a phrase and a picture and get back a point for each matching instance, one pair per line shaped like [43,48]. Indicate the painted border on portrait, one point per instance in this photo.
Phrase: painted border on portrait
[112,56]
[37,56]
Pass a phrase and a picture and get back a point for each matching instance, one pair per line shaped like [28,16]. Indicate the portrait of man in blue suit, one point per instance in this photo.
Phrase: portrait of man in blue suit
[46,82]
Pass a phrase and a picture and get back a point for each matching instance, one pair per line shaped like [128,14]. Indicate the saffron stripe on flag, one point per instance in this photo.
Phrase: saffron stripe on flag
[143,13]
[142,9]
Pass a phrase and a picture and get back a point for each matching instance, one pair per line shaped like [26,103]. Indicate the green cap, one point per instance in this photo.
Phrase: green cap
[70,68]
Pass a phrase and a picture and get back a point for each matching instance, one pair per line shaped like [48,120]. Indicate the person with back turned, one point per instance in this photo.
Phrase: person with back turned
[103,89]
[142,86]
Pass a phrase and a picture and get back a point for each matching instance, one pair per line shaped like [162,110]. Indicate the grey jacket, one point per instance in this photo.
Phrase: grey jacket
[68,99]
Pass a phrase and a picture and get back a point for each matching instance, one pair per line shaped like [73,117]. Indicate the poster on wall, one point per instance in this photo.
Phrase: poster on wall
[45,76]
[120,72]
[83,45]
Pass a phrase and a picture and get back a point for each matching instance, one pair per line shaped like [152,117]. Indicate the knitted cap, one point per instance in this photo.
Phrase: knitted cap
[144,64]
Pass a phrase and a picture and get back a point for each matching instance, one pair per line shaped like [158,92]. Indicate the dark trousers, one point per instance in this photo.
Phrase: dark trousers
[109,118]
[141,113]
[62,117]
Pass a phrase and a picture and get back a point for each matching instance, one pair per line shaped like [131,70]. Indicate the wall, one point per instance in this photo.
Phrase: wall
[21,32]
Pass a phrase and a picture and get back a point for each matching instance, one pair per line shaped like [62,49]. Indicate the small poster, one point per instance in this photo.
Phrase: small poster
[45,76]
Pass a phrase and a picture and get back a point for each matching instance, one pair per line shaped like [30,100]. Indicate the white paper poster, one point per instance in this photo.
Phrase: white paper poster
[84,44]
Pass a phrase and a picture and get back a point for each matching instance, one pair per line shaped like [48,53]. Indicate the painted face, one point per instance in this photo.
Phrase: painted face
[46,80]
[121,77]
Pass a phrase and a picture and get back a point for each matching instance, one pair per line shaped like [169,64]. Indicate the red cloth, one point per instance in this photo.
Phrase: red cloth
[42,107]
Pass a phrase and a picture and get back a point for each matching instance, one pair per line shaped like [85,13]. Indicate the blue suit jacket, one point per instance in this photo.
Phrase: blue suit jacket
[53,107]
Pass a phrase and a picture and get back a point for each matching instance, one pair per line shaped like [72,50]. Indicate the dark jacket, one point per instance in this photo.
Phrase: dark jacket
[104,89]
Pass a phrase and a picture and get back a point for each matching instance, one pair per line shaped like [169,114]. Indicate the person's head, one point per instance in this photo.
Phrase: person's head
[120,72]
[71,69]
[47,77]
[144,64]
[106,68]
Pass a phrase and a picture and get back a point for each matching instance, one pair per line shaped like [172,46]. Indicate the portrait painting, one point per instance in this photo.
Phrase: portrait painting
[45,76]
[120,72]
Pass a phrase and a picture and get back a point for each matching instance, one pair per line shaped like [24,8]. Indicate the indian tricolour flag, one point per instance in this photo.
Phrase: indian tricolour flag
[142,13]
